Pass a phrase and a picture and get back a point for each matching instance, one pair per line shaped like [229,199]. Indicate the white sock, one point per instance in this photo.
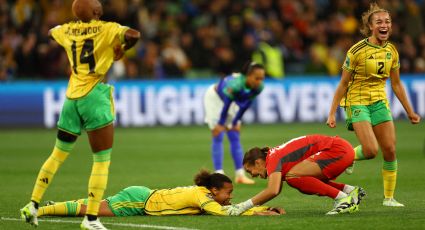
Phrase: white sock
[240,172]
[348,188]
[221,171]
[341,195]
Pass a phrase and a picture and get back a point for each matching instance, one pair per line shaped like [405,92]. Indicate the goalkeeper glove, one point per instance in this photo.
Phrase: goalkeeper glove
[237,209]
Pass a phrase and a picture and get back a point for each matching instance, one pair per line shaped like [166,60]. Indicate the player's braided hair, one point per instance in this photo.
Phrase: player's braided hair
[211,180]
[254,154]
[367,16]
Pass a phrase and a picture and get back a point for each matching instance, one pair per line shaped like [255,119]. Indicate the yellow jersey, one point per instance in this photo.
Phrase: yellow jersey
[188,200]
[89,47]
[370,66]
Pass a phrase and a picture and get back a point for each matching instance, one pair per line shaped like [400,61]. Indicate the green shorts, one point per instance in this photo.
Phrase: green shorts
[375,114]
[93,111]
[130,201]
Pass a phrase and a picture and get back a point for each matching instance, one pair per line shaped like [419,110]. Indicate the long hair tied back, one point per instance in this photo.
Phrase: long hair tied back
[254,154]
[211,180]
[367,16]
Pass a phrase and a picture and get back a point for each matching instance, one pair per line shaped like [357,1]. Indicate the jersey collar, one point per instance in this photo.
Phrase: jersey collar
[373,45]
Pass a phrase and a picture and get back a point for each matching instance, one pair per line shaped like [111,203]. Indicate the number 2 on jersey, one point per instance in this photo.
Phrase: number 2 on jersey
[86,55]
[381,67]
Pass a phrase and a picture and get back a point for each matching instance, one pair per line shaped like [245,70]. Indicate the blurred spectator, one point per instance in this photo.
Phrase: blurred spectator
[200,38]
[174,60]
[26,56]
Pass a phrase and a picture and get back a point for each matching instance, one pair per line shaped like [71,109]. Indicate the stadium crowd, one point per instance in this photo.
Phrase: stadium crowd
[201,38]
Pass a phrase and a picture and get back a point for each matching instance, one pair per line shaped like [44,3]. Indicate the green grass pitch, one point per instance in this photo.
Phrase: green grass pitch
[164,157]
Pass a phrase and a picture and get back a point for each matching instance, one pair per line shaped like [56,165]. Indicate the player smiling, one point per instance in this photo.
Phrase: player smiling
[307,163]
[361,92]
[211,192]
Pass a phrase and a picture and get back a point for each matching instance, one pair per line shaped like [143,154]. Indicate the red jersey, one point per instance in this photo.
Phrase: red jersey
[282,158]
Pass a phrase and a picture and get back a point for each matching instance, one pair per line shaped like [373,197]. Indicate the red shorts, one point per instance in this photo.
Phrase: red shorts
[335,160]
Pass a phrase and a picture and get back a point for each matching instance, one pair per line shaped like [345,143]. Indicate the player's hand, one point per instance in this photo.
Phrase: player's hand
[237,127]
[331,122]
[266,213]
[277,210]
[414,118]
[218,129]
[118,52]
[233,210]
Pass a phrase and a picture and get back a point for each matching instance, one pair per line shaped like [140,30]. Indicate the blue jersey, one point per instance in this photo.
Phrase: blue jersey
[233,89]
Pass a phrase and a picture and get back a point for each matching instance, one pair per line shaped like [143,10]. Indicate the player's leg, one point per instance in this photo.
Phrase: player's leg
[386,137]
[73,208]
[346,188]
[212,108]
[383,127]
[358,120]
[101,143]
[69,129]
[104,209]
[343,152]
[217,152]
[358,193]
[66,208]
[130,201]
[64,144]
[237,155]
[312,175]
[308,178]
[368,148]
[97,113]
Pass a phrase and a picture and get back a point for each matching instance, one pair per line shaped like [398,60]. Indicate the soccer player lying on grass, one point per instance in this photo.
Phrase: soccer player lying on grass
[307,163]
[210,193]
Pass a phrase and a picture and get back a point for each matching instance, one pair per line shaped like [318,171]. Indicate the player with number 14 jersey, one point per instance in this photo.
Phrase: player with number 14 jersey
[88,47]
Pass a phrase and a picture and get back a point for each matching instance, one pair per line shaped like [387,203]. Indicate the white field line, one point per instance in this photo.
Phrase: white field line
[107,223]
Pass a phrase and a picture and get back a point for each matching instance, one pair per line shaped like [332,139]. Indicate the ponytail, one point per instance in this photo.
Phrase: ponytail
[255,153]
[211,180]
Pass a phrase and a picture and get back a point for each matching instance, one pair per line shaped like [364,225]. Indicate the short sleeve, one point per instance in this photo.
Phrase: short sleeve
[233,86]
[116,32]
[349,63]
[58,34]
[396,61]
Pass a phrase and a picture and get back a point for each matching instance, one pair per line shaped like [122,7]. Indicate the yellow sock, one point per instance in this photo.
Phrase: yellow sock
[98,180]
[389,175]
[67,208]
[49,168]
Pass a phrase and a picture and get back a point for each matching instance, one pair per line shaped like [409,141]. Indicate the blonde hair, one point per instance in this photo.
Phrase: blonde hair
[366,17]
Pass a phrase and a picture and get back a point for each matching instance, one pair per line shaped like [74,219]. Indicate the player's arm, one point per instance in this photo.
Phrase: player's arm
[339,93]
[213,208]
[273,189]
[263,211]
[55,33]
[402,97]
[49,34]
[131,37]
[241,111]
[223,115]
